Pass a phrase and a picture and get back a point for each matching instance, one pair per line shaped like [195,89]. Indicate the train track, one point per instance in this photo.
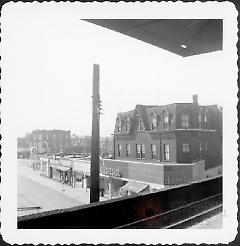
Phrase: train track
[196,218]
[181,217]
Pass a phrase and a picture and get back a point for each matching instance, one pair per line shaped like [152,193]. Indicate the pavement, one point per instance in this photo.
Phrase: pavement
[43,186]
[34,197]
[214,222]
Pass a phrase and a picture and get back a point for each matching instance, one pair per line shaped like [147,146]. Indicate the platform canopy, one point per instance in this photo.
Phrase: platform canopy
[185,37]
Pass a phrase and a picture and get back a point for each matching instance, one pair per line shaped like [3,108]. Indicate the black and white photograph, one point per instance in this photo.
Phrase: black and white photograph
[119,116]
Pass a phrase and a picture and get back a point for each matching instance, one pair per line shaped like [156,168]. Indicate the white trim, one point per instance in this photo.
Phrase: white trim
[152,185]
[152,163]
[188,129]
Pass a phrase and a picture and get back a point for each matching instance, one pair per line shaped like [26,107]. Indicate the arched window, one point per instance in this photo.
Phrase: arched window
[165,119]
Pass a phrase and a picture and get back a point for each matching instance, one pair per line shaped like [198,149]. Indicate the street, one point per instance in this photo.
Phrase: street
[37,191]
[33,194]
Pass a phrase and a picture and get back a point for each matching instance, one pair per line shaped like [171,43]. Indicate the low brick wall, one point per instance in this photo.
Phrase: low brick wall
[137,171]
[164,174]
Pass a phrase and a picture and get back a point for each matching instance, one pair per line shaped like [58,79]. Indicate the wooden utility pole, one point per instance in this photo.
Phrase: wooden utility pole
[94,179]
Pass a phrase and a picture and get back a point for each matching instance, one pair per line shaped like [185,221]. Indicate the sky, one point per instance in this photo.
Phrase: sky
[49,55]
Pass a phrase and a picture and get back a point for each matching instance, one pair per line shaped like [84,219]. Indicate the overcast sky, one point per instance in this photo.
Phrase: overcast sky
[49,55]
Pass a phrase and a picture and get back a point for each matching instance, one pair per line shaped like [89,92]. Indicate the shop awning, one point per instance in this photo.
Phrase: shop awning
[62,168]
[134,187]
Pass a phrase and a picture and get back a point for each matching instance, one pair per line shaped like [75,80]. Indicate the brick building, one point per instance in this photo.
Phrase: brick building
[50,141]
[81,144]
[174,133]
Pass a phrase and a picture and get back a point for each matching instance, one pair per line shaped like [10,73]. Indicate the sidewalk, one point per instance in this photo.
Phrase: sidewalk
[78,193]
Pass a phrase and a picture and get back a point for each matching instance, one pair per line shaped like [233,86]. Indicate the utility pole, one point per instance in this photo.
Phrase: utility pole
[95,183]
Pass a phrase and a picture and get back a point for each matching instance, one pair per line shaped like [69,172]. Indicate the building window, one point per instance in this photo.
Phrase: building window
[128,150]
[205,118]
[185,120]
[166,152]
[158,120]
[119,149]
[140,151]
[140,125]
[199,118]
[154,151]
[119,125]
[206,146]
[127,126]
[154,122]
[165,120]
[185,148]
[200,147]
[143,151]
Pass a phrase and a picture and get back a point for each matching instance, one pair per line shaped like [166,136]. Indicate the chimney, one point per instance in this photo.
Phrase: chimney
[195,99]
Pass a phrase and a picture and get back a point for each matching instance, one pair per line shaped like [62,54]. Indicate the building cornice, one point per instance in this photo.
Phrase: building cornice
[166,131]
[120,134]
[160,131]
[196,130]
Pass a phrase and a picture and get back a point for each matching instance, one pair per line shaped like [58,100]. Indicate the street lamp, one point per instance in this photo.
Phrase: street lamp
[46,143]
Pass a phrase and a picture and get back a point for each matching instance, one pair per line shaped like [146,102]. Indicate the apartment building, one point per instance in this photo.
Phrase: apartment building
[173,133]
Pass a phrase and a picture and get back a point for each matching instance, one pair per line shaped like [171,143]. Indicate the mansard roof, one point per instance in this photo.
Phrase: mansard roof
[145,112]
[132,115]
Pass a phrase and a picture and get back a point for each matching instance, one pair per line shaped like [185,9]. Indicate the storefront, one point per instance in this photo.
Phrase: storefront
[81,173]
[120,178]
[44,167]
[62,174]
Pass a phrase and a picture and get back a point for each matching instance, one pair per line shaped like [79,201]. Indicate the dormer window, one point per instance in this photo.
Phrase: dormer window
[165,120]
[205,118]
[127,125]
[185,120]
[140,125]
[119,125]
[154,122]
